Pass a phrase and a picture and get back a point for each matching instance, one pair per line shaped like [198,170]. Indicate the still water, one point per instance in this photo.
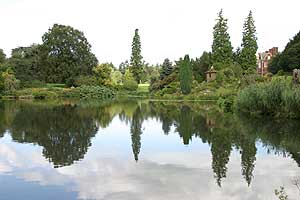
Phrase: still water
[139,149]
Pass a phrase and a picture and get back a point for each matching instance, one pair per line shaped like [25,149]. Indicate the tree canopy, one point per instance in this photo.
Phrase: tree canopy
[2,56]
[289,59]
[25,62]
[67,54]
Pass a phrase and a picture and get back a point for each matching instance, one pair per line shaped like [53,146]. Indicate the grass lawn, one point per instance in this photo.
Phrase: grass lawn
[143,88]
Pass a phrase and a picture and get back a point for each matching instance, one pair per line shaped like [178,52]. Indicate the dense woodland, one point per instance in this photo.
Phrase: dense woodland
[64,66]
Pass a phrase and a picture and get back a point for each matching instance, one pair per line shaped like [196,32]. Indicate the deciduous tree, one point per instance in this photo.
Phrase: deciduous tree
[67,54]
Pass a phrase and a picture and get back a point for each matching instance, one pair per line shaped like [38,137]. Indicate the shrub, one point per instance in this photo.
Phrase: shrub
[9,83]
[44,94]
[273,98]
[226,104]
[33,84]
[85,80]
[130,85]
[160,84]
[98,92]
[129,82]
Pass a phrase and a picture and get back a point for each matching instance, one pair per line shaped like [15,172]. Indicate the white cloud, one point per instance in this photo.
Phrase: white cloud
[169,28]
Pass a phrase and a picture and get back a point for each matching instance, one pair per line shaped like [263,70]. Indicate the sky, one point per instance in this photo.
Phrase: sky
[168,28]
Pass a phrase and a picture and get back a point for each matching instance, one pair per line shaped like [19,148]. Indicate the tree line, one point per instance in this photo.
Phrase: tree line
[65,57]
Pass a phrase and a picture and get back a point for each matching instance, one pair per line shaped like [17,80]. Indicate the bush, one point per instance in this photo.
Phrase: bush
[226,104]
[95,92]
[44,94]
[9,84]
[130,85]
[33,84]
[160,84]
[85,80]
[274,98]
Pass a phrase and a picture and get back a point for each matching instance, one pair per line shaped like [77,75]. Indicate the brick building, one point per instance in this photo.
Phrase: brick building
[264,58]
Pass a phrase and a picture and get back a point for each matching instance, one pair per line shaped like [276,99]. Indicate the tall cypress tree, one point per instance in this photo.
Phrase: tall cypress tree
[185,72]
[221,48]
[136,64]
[247,55]
[166,69]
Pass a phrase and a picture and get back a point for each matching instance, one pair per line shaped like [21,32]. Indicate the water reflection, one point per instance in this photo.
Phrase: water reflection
[64,130]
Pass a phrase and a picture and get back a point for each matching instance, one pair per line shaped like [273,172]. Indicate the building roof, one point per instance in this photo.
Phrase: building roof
[211,70]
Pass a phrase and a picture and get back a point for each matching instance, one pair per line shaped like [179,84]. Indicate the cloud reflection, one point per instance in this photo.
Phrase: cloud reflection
[167,175]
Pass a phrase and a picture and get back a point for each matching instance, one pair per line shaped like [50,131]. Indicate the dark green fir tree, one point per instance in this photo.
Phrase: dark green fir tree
[247,54]
[136,63]
[185,75]
[166,69]
[222,55]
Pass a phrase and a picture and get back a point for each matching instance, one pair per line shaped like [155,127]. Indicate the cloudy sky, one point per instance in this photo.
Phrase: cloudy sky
[168,28]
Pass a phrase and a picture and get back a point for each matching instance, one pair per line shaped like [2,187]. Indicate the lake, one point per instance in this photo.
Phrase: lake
[141,149]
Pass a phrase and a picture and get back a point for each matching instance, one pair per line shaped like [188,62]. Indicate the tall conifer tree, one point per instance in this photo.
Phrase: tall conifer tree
[247,55]
[222,55]
[136,64]
[185,72]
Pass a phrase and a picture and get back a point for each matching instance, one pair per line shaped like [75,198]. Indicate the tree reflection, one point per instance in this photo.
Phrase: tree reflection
[61,130]
[220,149]
[184,124]
[136,132]
[65,130]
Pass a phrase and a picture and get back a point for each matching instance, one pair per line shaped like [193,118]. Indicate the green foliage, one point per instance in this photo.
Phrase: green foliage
[129,82]
[166,69]
[2,57]
[66,54]
[123,66]
[136,63]
[116,77]
[8,83]
[33,84]
[247,54]
[96,92]
[85,80]
[289,59]
[26,63]
[200,66]
[160,84]
[103,73]
[222,55]
[55,85]
[274,64]
[226,104]
[150,73]
[185,75]
[44,94]
[278,97]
